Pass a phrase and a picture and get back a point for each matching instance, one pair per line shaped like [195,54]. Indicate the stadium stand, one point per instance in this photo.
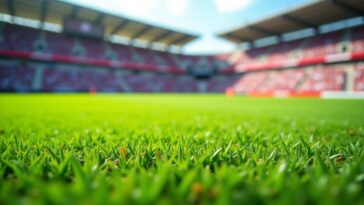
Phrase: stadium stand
[250,82]
[320,79]
[359,78]
[39,60]
[16,77]
[357,40]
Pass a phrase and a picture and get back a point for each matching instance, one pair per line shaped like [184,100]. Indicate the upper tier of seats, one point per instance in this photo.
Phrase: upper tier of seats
[343,41]
[19,38]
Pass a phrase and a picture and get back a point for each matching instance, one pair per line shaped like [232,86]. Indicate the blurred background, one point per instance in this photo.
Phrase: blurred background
[304,48]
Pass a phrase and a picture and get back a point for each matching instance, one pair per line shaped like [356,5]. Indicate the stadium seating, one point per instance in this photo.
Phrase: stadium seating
[18,38]
[287,80]
[219,84]
[358,39]
[24,75]
[59,44]
[319,45]
[359,77]
[323,44]
[16,77]
[28,39]
[299,80]
[250,82]
[70,79]
[323,79]
[94,49]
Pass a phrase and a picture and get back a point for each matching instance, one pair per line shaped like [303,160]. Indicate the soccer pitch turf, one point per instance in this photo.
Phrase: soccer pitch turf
[180,149]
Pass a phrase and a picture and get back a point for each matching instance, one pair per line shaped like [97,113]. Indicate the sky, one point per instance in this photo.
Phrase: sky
[206,18]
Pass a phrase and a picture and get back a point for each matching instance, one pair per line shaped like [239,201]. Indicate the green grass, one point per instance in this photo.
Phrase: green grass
[180,149]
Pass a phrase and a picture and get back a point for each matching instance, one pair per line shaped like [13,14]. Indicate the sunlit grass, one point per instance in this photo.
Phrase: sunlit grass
[178,149]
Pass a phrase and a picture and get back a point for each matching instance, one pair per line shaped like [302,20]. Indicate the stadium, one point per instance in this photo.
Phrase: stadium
[103,108]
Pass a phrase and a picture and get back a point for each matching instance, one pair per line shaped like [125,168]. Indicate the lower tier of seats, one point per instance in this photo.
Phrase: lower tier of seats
[27,76]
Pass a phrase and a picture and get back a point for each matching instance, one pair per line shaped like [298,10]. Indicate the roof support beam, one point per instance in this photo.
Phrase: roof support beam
[167,48]
[347,7]
[173,49]
[74,11]
[43,12]
[141,32]
[178,49]
[263,30]
[233,38]
[161,36]
[237,38]
[100,18]
[179,40]
[11,7]
[119,27]
[298,21]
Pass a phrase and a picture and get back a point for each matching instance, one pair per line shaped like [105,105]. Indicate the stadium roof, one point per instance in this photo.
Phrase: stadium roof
[53,11]
[311,15]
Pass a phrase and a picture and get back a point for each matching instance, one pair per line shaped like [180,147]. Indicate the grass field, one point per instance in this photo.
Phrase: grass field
[180,149]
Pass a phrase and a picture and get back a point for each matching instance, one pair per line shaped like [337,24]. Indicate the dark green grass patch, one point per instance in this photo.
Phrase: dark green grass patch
[180,149]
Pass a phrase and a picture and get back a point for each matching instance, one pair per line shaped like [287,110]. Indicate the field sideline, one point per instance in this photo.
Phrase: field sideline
[178,149]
